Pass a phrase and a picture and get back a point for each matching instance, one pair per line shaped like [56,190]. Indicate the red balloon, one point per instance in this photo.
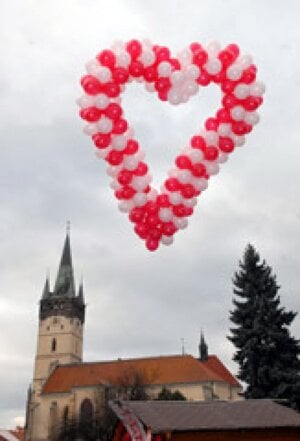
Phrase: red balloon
[124,177]
[91,85]
[134,48]
[113,111]
[211,124]
[183,162]
[136,69]
[172,184]
[111,89]
[120,126]
[120,75]
[211,153]
[136,214]
[107,58]
[114,157]
[226,144]
[141,169]
[198,142]
[150,74]
[101,140]
[199,170]
[188,191]
[90,114]
[131,147]
[152,244]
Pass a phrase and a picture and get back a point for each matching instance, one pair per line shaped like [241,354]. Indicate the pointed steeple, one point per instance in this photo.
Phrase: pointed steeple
[203,348]
[46,290]
[65,285]
[80,294]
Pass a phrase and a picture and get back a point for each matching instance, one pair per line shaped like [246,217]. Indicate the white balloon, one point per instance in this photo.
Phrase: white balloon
[212,167]
[115,185]
[90,129]
[92,66]
[175,197]
[103,153]
[234,72]
[213,66]
[165,214]
[130,162]
[101,101]
[192,71]
[244,61]
[150,87]
[166,240]
[200,184]
[211,137]
[191,87]
[118,46]
[238,113]
[222,157]
[190,202]
[180,222]
[105,125]
[185,57]
[213,47]
[119,142]
[173,173]
[147,57]
[164,69]
[139,199]
[103,74]
[239,140]
[129,133]
[257,89]
[113,170]
[224,129]
[242,91]
[125,206]
[139,183]
[196,155]
[177,77]
[184,176]
[123,58]
[85,101]
[252,118]
[174,96]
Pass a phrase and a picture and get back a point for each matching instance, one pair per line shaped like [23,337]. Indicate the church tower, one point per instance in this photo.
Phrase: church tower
[61,320]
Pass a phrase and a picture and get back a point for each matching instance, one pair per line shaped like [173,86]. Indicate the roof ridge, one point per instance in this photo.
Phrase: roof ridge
[115,360]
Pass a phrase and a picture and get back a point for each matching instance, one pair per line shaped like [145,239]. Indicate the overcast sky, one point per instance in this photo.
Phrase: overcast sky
[138,303]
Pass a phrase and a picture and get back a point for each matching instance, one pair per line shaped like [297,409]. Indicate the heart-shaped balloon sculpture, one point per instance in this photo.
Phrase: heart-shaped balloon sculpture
[157,216]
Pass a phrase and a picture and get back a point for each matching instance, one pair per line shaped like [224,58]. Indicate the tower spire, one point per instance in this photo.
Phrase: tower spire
[65,285]
[46,290]
[203,348]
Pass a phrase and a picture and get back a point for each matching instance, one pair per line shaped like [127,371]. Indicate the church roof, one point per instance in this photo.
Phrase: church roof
[177,369]
[214,363]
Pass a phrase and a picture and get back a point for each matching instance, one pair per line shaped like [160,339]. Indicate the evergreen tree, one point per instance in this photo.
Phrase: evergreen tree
[267,354]
[167,395]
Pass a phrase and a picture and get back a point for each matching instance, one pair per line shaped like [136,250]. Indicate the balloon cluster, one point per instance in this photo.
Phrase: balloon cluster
[158,216]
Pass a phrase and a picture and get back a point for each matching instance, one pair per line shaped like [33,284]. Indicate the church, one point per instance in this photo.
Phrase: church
[64,387]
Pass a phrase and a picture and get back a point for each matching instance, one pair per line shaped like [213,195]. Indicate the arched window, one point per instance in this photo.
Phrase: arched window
[53,345]
[86,412]
[66,415]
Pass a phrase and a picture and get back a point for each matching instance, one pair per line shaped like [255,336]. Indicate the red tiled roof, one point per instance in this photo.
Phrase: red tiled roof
[214,364]
[153,371]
